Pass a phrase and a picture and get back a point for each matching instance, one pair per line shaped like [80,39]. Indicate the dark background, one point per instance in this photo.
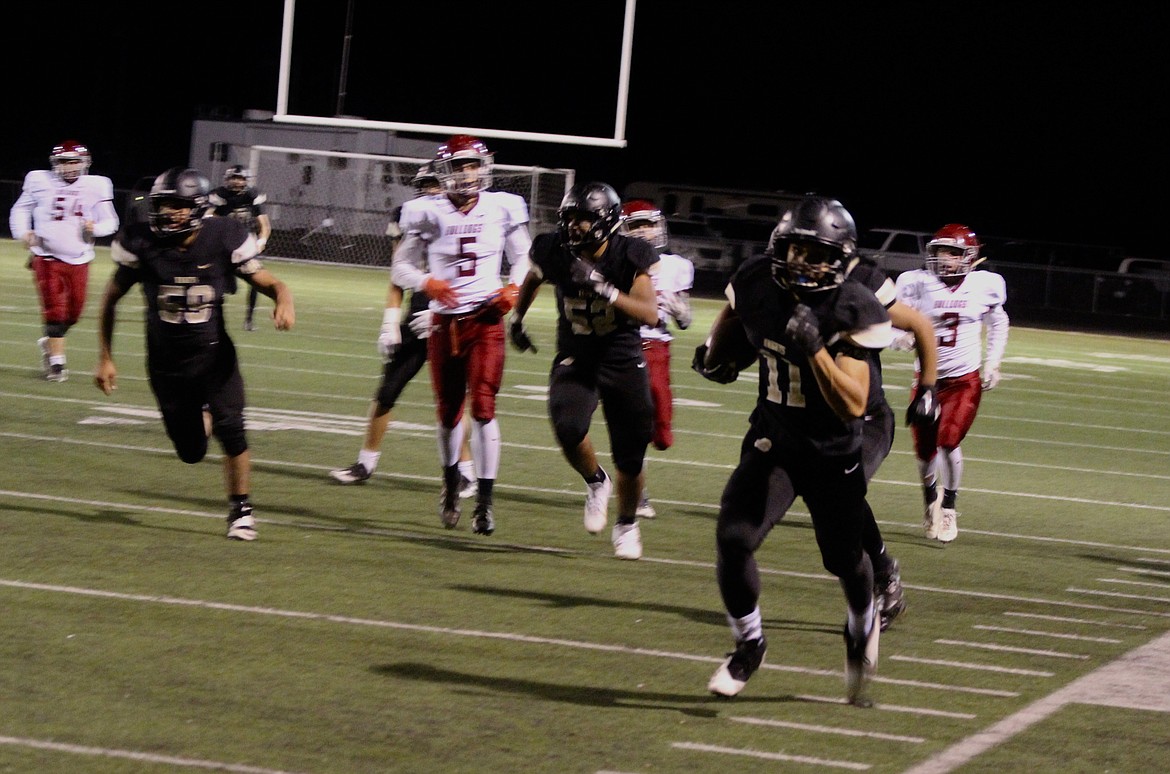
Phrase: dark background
[1040,123]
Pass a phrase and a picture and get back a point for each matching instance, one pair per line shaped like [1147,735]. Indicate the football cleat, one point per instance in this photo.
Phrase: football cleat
[733,674]
[645,507]
[597,505]
[888,590]
[248,324]
[57,373]
[43,346]
[948,527]
[861,657]
[468,487]
[932,517]
[354,474]
[627,541]
[483,523]
[241,524]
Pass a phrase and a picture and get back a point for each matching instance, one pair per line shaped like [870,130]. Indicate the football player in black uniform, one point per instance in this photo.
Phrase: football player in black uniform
[186,264]
[604,296]
[811,333]
[236,198]
[878,427]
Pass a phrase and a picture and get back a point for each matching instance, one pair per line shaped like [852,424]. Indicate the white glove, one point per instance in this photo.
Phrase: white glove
[390,337]
[678,306]
[990,377]
[602,286]
[903,343]
[420,323]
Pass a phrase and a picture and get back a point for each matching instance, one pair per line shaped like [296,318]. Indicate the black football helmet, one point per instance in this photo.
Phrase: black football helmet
[598,203]
[817,223]
[178,189]
[425,178]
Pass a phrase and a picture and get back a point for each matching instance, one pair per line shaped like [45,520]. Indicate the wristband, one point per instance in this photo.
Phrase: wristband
[392,315]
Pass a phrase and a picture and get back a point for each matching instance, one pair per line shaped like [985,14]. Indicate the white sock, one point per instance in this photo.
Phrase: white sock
[467,468]
[750,627]
[369,459]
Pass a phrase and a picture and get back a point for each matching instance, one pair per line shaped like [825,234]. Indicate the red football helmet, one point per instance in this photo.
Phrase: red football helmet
[959,247]
[69,160]
[642,220]
[453,170]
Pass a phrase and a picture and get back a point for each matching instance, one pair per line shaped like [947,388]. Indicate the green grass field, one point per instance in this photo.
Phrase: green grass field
[358,635]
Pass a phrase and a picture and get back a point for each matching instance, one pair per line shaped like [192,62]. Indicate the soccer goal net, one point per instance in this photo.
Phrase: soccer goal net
[336,206]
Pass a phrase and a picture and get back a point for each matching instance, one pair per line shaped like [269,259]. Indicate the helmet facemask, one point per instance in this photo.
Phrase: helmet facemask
[457,175]
[69,161]
[949,260]
[649,229]
[807,266]
[178,202]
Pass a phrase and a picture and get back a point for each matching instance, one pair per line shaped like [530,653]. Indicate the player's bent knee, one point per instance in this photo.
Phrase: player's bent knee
[230,433]
[56,330]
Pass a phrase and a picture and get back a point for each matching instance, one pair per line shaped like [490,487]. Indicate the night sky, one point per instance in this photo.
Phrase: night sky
[1042,123]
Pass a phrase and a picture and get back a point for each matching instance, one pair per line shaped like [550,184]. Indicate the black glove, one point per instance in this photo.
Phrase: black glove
[923,410]
[804,330]
[725,373]
[519,336]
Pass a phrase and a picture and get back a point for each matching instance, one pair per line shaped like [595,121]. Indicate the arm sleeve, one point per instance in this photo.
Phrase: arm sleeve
[405,268]
[20,216]
[997,335]
[517,246]
[105,217]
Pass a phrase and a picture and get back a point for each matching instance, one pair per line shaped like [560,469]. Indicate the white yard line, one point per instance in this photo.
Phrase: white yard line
[132,755]
[1138,680]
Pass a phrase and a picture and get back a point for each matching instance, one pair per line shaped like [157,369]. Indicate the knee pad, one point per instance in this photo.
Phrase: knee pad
[569,433]
[56,330]
[735,537]
[192,452]
[629,459]
[230,432]
[843,563]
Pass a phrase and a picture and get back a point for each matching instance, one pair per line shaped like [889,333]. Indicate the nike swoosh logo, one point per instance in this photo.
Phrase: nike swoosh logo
[850,470]
[203,266]
[641,365]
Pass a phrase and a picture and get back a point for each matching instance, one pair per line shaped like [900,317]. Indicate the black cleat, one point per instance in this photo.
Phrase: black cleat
[483,523]
[732,675]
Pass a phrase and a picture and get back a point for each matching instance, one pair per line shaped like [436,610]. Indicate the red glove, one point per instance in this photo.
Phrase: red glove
[441,291]
[504,299]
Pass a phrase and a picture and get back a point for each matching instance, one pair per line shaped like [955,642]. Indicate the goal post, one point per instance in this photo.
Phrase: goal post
[336,206]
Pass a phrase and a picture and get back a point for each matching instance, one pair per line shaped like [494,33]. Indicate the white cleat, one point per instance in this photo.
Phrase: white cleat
[948,527]
[932,517]
[645,507]
[627,541]
[597,505]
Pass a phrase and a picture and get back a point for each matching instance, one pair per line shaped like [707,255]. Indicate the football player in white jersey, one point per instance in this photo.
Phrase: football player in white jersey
[452,249]
[672,286]
[58,216]
[960,302]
